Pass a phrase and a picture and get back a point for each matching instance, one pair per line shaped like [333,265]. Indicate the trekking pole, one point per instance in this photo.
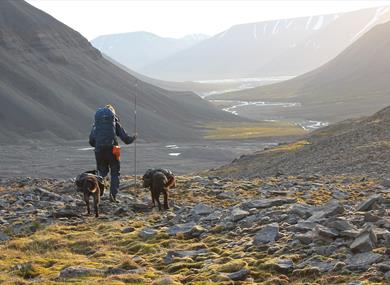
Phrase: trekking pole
[135,130]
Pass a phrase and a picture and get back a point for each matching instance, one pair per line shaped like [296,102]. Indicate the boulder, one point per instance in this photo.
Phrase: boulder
[189,230]
[140,206]
[238,214]
[128,230]
[183,253]
[386,183]
[368,204]
[268,234]
[66,213]
[306,238]
[181,228]
[364,242]
[238,275]
[362,261]
[327,210]
[341,224]
[202,209]
[316,262]
[124,211]
[78,271]
[304,226]
[284,266]
[227,195]
[302,210]
[325,232]
[46,195]
[4,237]
[147,233]
[215,216]
[267,203]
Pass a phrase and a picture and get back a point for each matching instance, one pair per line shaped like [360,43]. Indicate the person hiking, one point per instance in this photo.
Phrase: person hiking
[104,138]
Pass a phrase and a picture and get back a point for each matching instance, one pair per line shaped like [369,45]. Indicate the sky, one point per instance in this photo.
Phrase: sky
[176,19]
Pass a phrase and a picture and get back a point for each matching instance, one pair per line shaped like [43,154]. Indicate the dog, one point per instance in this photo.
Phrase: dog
[90,184]
[159,181]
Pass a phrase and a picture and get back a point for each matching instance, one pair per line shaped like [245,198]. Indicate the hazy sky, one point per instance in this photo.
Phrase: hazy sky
[178,18]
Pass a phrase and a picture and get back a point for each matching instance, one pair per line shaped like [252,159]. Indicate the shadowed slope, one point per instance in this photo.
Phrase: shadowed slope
[52,80]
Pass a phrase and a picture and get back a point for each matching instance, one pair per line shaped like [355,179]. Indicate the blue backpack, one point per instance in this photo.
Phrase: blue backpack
[105,134]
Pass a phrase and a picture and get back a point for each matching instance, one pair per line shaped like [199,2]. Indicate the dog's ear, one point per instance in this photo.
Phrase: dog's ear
[90,184]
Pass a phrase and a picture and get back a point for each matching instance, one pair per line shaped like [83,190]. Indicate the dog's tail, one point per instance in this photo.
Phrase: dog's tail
[91,185]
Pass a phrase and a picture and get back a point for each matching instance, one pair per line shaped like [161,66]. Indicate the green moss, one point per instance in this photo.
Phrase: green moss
[232,266]
[307,272]
[129,264]
[138,247]
[220,131]
[130,278]
[43,246]
[85,247]
[175,267]
[30,270]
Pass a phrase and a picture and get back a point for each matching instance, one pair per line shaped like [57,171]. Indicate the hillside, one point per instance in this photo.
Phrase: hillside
[272,48]
[52,80]
[353,84]
[354,147]
[218,231]
[138,49]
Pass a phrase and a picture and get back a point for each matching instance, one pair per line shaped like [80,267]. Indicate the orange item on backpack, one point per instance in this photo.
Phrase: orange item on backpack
[116,151]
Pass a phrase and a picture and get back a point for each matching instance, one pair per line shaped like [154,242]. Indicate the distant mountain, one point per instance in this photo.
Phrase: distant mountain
[138,49]
[354,83]
[198,87]
[52,80]
[280,47]
[353,147]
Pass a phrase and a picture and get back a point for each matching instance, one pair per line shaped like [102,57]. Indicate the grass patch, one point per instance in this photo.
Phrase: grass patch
[184,265]
[224,131]
[232,266]
[289,147]
[30,270]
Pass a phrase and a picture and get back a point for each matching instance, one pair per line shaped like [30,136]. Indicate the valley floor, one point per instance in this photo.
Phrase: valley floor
[73,158]
[285,230]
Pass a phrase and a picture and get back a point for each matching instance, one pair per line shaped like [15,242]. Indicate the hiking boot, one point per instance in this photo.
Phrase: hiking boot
[113,199]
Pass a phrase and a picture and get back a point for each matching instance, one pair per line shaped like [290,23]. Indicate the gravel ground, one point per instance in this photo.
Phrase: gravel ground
[68,160]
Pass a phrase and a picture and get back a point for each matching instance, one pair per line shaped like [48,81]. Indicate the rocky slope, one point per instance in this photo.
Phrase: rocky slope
[285,230]
[353,84]
[52,80]
[263,49]
[350,147]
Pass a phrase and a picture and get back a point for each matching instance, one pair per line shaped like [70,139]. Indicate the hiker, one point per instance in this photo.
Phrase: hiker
[104,138]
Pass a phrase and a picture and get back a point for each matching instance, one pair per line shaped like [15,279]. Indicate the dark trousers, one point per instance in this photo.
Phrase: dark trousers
[105,162]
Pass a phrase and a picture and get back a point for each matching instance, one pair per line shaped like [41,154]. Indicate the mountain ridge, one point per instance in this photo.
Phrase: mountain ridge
[352,84]
[146,47]
[52,80]
[280,47]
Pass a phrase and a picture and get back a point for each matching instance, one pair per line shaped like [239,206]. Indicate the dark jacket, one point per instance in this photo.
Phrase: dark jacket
[120,132]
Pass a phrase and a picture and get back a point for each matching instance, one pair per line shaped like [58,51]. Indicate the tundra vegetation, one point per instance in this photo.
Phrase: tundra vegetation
[277,230]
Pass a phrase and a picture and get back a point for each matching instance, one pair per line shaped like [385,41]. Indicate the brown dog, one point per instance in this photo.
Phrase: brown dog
[89,186]
[159,181]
